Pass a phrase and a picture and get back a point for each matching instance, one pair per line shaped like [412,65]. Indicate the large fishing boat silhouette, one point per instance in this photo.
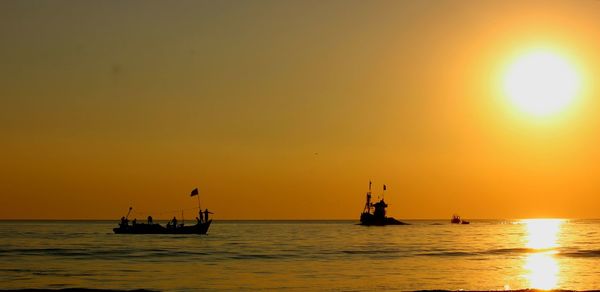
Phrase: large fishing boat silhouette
[377,217]
[201,226]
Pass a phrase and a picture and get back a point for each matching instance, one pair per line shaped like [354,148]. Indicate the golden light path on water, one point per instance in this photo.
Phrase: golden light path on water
[542,269]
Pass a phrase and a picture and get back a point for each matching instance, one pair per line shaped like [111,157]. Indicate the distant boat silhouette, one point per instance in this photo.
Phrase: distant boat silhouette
[201,226]
[377,217]
[457,220]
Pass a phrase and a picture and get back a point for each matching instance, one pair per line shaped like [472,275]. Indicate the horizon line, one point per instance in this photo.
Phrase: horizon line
[333,219]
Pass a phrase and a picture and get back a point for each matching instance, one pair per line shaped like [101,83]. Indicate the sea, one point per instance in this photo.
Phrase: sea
[305,256]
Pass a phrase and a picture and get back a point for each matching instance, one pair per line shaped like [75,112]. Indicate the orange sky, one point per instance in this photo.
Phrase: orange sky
[286,109]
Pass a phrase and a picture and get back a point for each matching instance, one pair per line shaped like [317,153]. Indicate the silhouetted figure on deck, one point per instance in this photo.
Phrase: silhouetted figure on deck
[149,219]
[124,221]
[206,215]
[134,222]
[200,217]
[174,222]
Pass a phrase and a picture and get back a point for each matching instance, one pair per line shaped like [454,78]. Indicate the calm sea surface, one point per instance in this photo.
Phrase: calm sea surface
[305,255]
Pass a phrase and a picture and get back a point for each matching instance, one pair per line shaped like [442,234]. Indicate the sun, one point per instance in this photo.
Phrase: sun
[541,83]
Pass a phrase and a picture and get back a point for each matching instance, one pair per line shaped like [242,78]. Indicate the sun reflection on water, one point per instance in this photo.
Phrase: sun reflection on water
[542,271]
[542,233]
[541,268]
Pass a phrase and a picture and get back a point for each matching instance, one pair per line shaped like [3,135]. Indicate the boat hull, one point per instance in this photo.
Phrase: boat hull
[200,228]
[368,219]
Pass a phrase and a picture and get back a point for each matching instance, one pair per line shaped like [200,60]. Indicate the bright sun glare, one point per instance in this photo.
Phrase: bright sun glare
[541,83]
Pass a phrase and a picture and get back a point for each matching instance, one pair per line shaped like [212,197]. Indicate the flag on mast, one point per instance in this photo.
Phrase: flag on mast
[194,192]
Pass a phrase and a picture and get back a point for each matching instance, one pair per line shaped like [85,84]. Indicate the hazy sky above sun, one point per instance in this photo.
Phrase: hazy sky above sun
[286,109]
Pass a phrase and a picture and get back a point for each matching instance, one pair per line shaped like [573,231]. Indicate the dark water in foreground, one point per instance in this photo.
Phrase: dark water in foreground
[305,255]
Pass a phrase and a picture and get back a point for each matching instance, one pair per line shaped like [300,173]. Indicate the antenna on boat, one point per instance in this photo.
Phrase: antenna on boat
[128,212]
[383,194]
[368,202]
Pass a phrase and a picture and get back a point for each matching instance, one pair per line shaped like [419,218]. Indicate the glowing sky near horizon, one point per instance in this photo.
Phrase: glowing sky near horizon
[285,110]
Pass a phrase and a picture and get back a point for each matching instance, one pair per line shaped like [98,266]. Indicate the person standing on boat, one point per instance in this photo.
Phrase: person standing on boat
[200,216]
[174,222]
[206,212]
[149,219]
[124,221]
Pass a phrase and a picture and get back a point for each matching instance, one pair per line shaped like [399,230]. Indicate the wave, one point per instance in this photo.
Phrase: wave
[449,253]
[592,253]
[155,254]
[100,253]
[516,250]
[371,252]
[262,256]
[561,252]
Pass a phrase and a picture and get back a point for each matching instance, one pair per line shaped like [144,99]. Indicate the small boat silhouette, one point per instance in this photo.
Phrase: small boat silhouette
[201,226]
[155,228]
[457,220]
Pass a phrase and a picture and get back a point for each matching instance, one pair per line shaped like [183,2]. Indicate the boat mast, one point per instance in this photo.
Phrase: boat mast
[368,203]
[199,209]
